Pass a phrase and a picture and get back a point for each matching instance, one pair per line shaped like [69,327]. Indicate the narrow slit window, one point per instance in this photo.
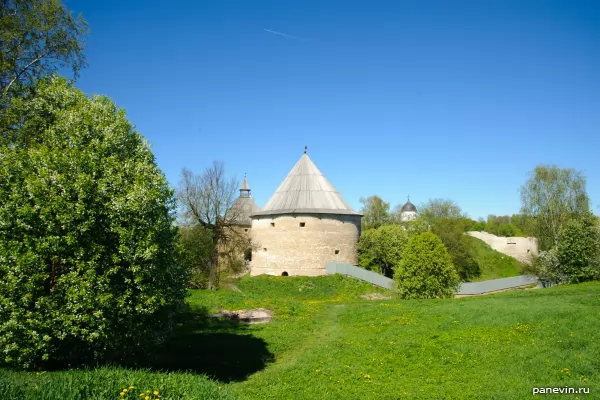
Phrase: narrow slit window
[302,224]
[337,252]
[245,229]
[264,248]
[272,224]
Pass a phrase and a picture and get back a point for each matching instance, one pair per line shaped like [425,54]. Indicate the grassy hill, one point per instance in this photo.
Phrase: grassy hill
[326,341]
[493,264]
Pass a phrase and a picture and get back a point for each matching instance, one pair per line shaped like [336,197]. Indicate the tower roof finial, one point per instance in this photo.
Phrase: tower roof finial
[305,148]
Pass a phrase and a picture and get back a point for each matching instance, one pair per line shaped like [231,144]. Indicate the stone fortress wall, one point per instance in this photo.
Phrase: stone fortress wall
[517,247]
[283,244]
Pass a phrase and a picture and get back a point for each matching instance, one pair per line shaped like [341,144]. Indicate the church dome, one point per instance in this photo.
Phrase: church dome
[408,207]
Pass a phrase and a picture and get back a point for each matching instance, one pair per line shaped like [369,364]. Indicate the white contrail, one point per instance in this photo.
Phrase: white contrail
[282,34]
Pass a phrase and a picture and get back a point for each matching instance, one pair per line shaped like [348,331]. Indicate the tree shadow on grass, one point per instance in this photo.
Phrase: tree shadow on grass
[217,347]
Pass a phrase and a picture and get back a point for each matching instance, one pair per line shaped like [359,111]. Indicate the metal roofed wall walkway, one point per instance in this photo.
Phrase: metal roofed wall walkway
[360,273]
[473,288]
[466,289]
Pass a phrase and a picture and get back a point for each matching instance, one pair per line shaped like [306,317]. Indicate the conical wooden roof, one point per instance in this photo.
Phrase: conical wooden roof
[306,190]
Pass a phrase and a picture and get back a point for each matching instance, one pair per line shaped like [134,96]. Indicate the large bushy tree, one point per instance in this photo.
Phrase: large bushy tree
[89,265]
[440,209]
[426,269]
[449,223]
[36,38]
[376,212]
[551,197]
[578,249]
[380,250]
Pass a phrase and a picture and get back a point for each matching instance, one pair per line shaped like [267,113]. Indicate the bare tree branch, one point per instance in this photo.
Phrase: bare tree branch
[208,199]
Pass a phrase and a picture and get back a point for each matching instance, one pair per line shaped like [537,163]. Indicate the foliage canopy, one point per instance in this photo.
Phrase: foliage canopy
[376,212]
[380,250]
[552,196]
[426,269]
[89,265]
[578,250]
[36,38]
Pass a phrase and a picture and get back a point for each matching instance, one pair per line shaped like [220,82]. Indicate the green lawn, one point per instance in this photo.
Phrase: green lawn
[493,264]
[327,342]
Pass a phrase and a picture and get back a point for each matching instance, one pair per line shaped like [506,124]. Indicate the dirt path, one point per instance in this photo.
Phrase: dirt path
[325,332]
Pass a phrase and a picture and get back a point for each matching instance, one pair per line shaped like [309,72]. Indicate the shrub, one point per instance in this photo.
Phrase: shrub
[380,250]
[546,268]
[88,251]
[578,249]
[426,269]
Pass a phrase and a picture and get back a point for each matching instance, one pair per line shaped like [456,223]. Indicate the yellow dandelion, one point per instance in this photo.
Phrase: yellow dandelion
[141,394]
[146,398]
[131,387]
[156,392]
[124,390]
[122,393]
[219,387]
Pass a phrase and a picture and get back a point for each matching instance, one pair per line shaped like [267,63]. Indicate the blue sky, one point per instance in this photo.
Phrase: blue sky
[436,99]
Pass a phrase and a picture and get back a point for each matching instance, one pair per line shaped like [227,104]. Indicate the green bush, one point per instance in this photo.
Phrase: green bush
[578,249]
[451,233]
[546,267]
[89,264]
[426,269]
[380,250]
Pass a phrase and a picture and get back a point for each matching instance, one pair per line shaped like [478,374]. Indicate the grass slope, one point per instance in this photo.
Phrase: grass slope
[327,342]
[491,347]
[493,264]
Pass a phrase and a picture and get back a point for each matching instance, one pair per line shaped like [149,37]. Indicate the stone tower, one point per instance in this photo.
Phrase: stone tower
[304,225]
[408,212]
[244,206]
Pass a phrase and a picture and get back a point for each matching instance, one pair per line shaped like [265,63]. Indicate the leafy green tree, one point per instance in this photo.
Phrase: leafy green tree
[440,209]
[376,212]
[426,269]
[380,250]
[89,255]
[36,38]
[503,225]
[478,226]
[578,249]
[546,267]
[197,247]
[452,233]
[552,196]
[416,226]
[449,223]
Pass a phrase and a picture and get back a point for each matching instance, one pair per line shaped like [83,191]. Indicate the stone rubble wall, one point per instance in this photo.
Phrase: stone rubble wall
[517,247]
